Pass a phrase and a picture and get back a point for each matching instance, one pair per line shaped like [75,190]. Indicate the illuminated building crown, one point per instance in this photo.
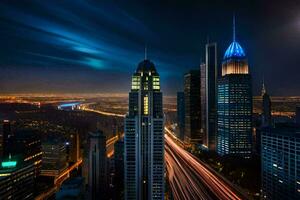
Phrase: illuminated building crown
[234,51]
[146,66]
[234,60]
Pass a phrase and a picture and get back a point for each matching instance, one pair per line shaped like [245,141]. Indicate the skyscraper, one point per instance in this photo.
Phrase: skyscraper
[17,179]
[298,115]
[24,147]
[192,133]
[54,157]
[26,144]
[208,73]
[266,116]
[119,169]
[6,135]
[280,162]
[97,166]
[180,114]
[74,148]
[144,136]
[235,103]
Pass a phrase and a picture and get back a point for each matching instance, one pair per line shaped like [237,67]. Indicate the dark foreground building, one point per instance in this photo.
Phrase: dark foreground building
[97,178]
[298,115]
[192,133]
[17,179]
[266,116]
[280,162]
[180,114]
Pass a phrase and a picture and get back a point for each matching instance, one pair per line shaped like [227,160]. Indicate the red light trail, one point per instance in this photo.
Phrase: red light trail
[190,179]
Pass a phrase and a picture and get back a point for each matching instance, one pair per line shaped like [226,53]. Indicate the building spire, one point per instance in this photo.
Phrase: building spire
[145,51]
[233,27]
[263,90]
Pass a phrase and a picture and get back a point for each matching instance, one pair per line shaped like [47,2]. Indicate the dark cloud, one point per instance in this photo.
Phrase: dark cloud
[94,46]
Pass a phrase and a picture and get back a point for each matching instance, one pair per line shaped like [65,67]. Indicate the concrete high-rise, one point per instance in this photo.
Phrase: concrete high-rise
[208,84]
[235,104]
[180,114]
[192,133]
[97,166]
[144,136]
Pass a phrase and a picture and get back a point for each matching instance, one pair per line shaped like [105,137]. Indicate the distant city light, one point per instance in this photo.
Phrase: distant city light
[9,164]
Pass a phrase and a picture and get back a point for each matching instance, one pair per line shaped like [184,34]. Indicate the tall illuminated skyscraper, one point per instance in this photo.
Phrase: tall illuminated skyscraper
[208,89]
[280,162]
[235,103]
[144,136]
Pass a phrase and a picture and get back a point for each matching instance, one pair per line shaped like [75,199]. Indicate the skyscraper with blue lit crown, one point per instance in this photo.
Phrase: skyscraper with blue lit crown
[235,103]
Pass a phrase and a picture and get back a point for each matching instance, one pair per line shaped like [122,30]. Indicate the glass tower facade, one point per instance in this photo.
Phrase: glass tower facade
[280,162]
[209,96]
[144,136]
[235,104]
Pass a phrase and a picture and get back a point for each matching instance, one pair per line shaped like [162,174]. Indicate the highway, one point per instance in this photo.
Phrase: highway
[182,179]
[190,178]
[64,175]
[82,107]
[110,145]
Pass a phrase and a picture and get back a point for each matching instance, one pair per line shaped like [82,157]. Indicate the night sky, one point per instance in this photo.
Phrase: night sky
[77,46]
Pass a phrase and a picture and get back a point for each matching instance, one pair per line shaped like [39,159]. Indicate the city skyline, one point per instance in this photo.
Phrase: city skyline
[57,51]
[149,100]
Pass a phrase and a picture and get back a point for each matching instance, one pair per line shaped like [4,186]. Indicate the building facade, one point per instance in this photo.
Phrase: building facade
[54,159]
[280,162]
[266,116]
[298,115]
[17,179]
[144,136]
[192,133]
[180,114]
[74,148]
[97,177]
[208,84]
[119,169]
[235,104]
[6,135]
[26,144]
